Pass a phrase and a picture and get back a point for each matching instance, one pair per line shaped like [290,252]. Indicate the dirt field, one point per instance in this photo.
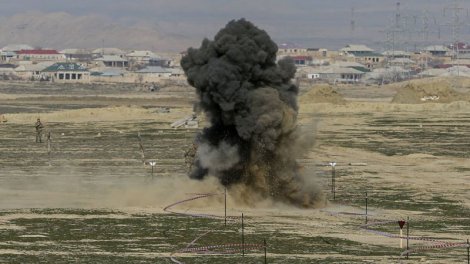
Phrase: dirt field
[91,199]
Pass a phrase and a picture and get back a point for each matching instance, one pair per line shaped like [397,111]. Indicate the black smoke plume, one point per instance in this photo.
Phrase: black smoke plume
[251,103]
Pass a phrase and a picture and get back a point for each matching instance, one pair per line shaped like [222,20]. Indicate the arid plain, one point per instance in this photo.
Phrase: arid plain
[89,198]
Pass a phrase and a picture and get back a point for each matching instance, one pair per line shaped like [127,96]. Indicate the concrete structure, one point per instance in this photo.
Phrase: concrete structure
[39,55]
[285,50]
[363,54]
[156,71]
[356,49]
[396,54]
[33,71]
[371,59]
[140,56]
[335,74]
[108,72]
[402,61]
[107,51]
[67,72]
[7,56]
[113,61]
[81,55]
[437,50]
[313,53]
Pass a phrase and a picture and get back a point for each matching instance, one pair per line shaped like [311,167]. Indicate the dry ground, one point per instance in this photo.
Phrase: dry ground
[92,200]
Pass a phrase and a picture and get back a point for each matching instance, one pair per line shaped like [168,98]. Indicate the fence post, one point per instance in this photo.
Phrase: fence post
[265,254]
[49,143]
[141,146]
[468,252]
[243,237]
[407,237]
[367,198]
[333,181]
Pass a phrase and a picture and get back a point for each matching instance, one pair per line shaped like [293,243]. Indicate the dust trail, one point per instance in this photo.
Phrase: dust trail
[253,139]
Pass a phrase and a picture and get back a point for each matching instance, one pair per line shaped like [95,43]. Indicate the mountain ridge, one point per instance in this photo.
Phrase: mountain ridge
[61,30]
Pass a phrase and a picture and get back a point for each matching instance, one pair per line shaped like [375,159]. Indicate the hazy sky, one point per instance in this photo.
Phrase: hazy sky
[313,23]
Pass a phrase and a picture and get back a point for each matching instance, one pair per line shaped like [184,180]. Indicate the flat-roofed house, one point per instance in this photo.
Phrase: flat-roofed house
[107,51]
[33,71]
[393,54]
[356,49]
[334,74]
[7,56]
[77,55]
[140,56]
[437,50]
[67,72]
[118,61]
[363,54]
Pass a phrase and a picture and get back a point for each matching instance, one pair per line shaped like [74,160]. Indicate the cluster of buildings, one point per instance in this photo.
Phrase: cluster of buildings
[361,64]
[350,64]
[23,62]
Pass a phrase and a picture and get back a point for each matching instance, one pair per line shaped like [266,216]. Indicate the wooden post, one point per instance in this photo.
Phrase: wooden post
[366,206]
[333,181]
[407,237]
[49,143]
[243,237]
[141,148]
[265,254]
[225,201]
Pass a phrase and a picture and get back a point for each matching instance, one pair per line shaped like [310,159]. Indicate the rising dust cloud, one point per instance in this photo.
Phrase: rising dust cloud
[253,139]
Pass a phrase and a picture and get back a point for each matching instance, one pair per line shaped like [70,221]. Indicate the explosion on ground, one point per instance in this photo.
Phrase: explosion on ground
[90,198]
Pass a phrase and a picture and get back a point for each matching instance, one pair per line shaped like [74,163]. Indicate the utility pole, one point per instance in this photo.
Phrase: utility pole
[353,24]
[393,35]
[454,11]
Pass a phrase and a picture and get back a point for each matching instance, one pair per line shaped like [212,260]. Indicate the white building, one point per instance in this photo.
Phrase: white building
[67,72]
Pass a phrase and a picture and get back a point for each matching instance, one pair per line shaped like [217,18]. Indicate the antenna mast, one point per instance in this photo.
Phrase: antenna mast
[353,24]
[455,24]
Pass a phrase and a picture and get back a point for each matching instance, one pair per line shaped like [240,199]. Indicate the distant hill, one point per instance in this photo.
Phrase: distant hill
[63,30]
